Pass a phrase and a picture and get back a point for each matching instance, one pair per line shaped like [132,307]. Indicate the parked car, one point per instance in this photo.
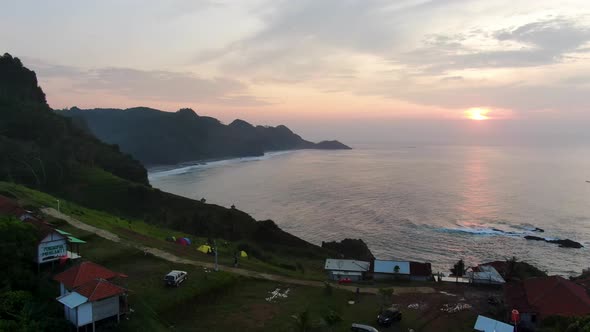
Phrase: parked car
[388,316]
[175,278]
[363,328]
[344,281]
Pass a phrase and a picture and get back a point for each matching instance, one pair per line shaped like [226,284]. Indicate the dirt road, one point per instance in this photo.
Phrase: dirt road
[248,273]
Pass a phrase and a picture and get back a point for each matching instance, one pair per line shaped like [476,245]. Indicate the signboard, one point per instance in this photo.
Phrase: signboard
[51,251]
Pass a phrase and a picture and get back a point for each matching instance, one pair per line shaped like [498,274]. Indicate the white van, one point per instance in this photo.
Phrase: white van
[175,278]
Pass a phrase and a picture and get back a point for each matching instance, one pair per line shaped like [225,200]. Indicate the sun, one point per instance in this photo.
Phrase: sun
[477,114]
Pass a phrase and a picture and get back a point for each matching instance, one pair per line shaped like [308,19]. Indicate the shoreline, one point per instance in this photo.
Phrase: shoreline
[184,167]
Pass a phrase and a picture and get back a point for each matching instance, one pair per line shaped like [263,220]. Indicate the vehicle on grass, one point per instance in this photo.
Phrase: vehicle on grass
[344,281]
[388,316]
[175,278]
[362,328]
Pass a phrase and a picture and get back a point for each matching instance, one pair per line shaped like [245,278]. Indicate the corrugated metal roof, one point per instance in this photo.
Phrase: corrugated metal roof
[389,267]
[347,265]
[72,300]
[487,273]
[485,324]
[72,239]
[62,232]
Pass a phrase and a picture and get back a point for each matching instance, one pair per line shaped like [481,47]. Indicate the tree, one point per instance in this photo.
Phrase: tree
[302,321]
[16,254]
[458,269]
[511,266]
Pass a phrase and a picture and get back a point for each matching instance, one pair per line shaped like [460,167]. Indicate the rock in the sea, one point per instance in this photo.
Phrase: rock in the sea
[350,249]
[567,243]
[540,230]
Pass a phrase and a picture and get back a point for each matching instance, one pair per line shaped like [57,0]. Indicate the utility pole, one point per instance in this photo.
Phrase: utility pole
[216,265]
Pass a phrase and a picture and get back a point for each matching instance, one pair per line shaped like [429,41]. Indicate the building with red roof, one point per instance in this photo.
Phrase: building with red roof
[88,295]
[83,273]
[539,298]
[99,289]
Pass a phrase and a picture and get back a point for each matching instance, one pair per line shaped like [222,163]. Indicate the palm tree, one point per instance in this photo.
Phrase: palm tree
[511,267]
[458,269]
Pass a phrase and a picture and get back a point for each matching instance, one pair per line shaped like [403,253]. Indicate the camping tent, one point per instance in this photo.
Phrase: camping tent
[171,239]
[183,241]
[243,254]
[205,248]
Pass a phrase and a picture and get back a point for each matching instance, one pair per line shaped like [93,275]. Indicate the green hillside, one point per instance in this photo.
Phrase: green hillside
[47,152]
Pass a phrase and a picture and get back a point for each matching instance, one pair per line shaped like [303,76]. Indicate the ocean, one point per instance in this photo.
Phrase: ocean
[431,203]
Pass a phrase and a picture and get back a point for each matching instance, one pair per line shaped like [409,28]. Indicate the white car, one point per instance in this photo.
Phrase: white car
[362,328]
[175,278]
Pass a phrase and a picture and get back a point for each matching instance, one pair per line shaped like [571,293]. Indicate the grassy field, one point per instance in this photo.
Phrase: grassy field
[138,231]
[217,301]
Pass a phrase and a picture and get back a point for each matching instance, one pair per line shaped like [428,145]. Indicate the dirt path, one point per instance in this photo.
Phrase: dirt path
[248,273]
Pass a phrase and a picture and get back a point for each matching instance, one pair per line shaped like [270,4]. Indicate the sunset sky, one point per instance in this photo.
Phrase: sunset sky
[337,68]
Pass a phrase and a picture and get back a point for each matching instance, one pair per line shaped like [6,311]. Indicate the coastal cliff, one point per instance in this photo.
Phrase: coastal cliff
[156,137]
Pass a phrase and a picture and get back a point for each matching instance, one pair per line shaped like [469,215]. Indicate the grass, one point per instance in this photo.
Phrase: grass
[218,301]
[150,235]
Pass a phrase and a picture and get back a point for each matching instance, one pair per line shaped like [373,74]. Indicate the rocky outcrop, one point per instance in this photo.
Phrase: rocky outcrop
[567,243]
[350,249]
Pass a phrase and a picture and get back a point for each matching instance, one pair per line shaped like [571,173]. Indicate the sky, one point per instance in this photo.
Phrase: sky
[356,70]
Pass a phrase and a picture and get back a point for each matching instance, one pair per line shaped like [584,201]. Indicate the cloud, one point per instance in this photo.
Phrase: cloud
[533,44]
[157,85]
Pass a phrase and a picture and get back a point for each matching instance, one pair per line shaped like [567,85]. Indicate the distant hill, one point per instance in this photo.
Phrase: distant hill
[55,154]
[162,138]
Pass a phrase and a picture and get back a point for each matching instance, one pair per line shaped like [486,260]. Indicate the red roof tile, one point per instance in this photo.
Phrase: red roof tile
[549,296]
[83,273]
[99,289]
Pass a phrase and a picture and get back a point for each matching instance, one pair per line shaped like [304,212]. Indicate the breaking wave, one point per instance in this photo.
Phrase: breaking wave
[160,172]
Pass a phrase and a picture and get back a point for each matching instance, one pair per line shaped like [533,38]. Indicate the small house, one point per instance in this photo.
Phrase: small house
[346,268]
[485,324]
[390,269]
[89,294]
[92,302]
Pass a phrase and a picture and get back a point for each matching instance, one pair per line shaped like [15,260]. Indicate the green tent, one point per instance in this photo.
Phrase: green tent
[243,254]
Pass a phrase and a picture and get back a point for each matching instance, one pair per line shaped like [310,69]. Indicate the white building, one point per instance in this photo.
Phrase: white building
[346,268]
[390,269]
